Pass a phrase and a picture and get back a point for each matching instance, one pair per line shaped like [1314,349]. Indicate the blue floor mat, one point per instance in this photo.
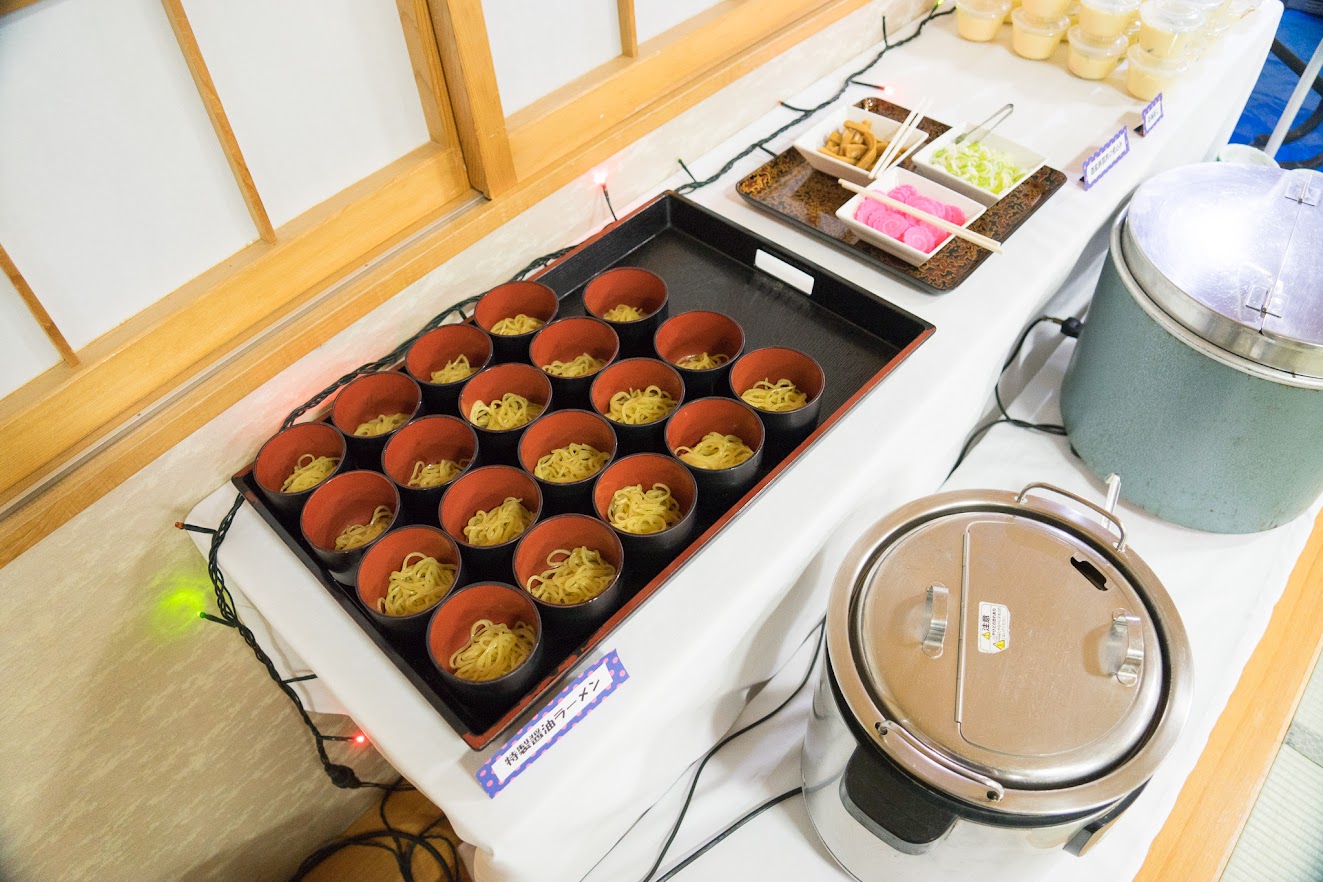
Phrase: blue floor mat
[1300,32]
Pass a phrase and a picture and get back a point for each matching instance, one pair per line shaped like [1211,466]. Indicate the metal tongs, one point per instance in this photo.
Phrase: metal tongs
[985,128]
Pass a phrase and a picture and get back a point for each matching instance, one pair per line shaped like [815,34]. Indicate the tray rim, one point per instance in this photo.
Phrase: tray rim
[555,678]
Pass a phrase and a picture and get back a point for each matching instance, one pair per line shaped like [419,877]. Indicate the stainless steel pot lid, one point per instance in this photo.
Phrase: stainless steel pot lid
[1235,254]
[1009,651]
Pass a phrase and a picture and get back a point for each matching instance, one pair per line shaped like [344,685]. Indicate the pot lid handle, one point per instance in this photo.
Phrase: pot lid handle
[1106,514]
[1131,630]
[938,616]
[983,789]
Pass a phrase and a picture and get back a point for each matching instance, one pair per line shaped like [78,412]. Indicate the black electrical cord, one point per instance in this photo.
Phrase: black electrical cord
[819,630]
[1070,327]
[720,837]
[802,114]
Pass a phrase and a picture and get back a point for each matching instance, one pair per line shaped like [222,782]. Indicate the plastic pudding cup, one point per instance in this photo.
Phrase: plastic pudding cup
[980,20]
[1093,59]
[1147,74]
[1045,9]
[1106,19]
[1033,37]
[1166,27]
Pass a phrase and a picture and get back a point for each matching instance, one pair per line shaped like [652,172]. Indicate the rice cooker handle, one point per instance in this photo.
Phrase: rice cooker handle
[1107,515]
[958,779]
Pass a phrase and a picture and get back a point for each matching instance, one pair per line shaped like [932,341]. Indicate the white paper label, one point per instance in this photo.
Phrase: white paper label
[994,627]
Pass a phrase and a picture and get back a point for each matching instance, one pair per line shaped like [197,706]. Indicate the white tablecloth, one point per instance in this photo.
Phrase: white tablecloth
[760,585]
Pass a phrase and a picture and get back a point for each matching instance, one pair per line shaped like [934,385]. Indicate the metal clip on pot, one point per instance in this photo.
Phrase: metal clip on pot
[936,609]
[959,779]
[1131,630]
[1106,514]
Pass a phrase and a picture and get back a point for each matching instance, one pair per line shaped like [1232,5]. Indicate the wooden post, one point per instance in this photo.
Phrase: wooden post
[188,45]
[629,30]
[38,311]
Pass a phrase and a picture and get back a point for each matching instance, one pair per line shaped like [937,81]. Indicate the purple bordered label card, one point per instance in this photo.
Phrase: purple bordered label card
[557,718]
[1107,156]
[1150,116]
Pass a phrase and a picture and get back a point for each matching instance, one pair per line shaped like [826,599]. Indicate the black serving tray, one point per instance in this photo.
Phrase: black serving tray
[707,263]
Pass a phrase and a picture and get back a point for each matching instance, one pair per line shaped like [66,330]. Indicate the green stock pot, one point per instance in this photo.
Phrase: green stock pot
[1199,374]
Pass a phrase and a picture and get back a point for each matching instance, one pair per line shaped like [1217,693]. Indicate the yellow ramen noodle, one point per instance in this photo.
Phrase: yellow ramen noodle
[434,474]
[308,472]
[520,324]
[500,524]
[571,577]
[381,424]
[580,366]
[780,396]
[636,510]
[510,411]
[623,312]
[573,462]
[455,370]
[419,583]
[715,451]
[638,406]
[493,650]
[355,535]
[703,362]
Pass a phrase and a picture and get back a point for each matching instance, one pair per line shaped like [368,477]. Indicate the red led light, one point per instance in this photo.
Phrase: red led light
[599,177]
[360,738]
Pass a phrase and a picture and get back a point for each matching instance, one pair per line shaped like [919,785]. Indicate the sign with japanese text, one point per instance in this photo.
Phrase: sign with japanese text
[1108,155]
[568,708]
[1151,116]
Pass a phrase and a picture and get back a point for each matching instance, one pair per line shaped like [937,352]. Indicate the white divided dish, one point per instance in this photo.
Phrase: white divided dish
[1028,161]
[897,177]
[808,143]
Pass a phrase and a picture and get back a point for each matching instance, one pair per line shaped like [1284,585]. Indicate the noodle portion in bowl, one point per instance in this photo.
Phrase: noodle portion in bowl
[510,411]
[579,366]
[777,397]
[715,451]
[498,525]
[519,324]
[574,576]
[623,312]
[309,474]
[434,474]
[640,511]
[702,361]
[636,407]
[356,535]
[573,462]
[455,370]
[381,424]
[493,650]
[418,584]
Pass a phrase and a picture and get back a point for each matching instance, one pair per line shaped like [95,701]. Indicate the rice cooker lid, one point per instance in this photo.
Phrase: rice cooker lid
[1004,646]
[1235,254]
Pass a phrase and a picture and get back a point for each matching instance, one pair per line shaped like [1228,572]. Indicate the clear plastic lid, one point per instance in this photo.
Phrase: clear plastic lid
[1149,63]
[1113,7]
[986,8]
[1047,27]
[1171,16]
[1105,47]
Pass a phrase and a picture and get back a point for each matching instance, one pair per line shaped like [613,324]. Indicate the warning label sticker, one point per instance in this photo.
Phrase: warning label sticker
[994,627]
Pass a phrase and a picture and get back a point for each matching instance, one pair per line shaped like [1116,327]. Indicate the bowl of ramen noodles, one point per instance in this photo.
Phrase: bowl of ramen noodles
[512,313]
[720,440]
[405,575]
[633,301]
[784,387]
[638,396]
[571,566]
[370,409]
[485,512]
[571,352]
[500,403]
[424,458]
[296,461]
[649,501]
[345,516]
[565,451]
[444,359]
[485,641]
[702,346]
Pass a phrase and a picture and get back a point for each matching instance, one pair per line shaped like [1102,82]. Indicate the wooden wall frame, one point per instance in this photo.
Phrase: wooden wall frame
[329,267]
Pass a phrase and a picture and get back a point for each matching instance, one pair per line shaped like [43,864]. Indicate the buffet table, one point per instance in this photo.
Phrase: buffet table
[569,808]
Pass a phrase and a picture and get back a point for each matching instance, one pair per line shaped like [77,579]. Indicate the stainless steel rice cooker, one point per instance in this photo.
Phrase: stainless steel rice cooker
[1002,671]
[1199,373]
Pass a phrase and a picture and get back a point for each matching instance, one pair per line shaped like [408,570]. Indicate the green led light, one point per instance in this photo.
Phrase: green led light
[181,599]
